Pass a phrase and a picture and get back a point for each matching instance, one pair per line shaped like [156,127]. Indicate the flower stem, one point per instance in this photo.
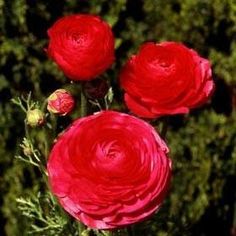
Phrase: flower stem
[110,233]
[130,231]
[83,103]
[27,134]
[81,228]
[164,128]
[46,144]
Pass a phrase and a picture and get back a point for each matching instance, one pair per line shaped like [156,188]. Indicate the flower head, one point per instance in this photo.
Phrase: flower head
[81,45]
[109,170]
[165,79]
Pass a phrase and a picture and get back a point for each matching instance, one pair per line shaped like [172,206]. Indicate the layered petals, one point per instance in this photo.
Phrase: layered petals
[110,170]
[81,45]
[166,79]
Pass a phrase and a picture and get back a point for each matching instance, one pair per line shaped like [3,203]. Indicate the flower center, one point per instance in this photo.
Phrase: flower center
[162,63]
[111,150]
[77,38]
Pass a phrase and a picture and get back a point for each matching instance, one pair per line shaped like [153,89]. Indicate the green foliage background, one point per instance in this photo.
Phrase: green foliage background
[203,195]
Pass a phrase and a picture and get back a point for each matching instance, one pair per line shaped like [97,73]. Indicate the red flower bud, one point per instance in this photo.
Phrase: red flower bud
[96,89]
[60,102]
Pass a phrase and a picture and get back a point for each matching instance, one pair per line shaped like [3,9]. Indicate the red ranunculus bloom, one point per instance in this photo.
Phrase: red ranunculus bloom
[82,46]
[60,102]
[165,79]
[109,170]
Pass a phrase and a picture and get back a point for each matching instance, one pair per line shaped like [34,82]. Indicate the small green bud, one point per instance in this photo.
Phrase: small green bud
[27,151]
[35,117]
[27,147]
[85,233]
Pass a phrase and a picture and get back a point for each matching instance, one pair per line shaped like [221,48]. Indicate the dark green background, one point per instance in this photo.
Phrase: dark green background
[203,193]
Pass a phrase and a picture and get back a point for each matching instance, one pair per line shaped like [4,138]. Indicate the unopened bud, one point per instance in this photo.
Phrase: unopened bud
[27,147]
[27,151]
[35,117]
[60,102]
[96,89]
[85,233]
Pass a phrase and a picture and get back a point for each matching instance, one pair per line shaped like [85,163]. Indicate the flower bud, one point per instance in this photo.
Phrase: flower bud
[27,151]
[35,117]
[96,89]
[60,102]
[27,147]
[85,233]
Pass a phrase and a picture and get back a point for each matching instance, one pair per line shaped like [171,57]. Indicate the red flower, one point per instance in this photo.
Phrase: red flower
[81,45]
[165,79]
[109,170]
[60,102]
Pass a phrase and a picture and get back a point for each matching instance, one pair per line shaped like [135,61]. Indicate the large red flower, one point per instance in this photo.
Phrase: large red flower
[109,170]
[165,79]
[82,46]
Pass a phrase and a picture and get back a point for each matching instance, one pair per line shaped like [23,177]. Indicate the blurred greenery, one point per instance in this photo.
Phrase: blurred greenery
[203,193]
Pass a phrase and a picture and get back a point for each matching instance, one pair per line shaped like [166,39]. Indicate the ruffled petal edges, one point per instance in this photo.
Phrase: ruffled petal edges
[81,45]
[110,170]
[166,79]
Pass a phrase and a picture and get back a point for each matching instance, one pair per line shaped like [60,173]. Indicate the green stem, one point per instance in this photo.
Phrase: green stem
[110,233]
[130,231]
[106,104]
[81,228]
[53,121]
[164,128]
[46,144]
[27,135]
[44,105]
[83,103]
